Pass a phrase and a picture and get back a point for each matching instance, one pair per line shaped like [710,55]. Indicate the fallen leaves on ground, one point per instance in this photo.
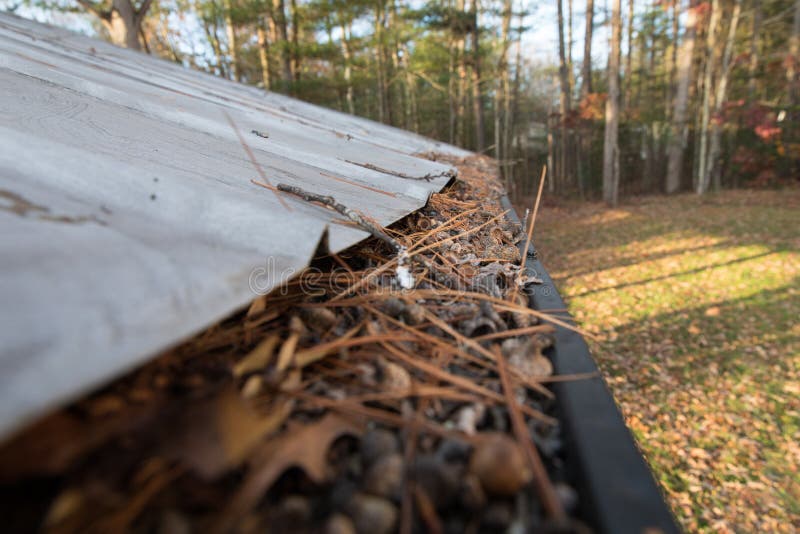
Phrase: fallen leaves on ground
[695,301]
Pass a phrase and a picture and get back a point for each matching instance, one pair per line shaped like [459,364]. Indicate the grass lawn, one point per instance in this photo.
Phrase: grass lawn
[697,306]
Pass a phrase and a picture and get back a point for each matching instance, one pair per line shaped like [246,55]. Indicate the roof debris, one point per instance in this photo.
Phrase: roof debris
[343,401]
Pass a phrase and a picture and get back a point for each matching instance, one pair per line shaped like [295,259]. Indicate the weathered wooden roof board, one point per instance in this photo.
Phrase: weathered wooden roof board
[128,220]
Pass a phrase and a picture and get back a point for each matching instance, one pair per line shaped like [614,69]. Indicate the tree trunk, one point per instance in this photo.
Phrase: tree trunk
[713,168]
[678,134]
[794,56]
[348,69]
[123,22]
[501,88]
[512,109]
[477,97]
[398,91]
[793,88]
[451,84]
[295,52]
[211,35]
[586,85]
[585,132]
[569,43]
[334,65]
[673,59]
[380,72]
[411,95]
[551,156]
[564,101]
[461,95]
[263,55]
[611,143]
[629,58]
[230,33]
[752,66]
[279,18]
[708,89]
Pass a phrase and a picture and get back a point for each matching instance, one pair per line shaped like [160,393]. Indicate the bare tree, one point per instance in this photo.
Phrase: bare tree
[678,134]
[611,144]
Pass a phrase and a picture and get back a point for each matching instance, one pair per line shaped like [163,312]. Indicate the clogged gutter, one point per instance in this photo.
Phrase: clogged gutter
[384,389]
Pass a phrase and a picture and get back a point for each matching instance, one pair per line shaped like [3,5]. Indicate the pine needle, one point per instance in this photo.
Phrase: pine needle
[533,217]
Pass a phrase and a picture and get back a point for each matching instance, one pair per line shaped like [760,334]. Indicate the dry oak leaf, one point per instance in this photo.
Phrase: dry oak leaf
[305,447]
[217,434]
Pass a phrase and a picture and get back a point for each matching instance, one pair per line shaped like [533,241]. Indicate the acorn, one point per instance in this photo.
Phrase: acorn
[414,314]
[393,376]
[472,495]
[339,524]
[372,515]
[319,319]
[294,511]
[497,516]
[526,357]
[500,464]
[385,477]
[439,480]
[393,307]
[375,444]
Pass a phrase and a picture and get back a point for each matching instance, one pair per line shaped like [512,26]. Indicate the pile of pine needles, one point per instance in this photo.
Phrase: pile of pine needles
[344,401]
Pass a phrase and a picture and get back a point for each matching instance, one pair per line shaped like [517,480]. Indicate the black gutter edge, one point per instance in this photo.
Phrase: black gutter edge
[618,494]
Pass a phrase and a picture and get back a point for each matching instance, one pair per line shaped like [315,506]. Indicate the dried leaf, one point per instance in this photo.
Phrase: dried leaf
[257,306]
[55,443]
[286,354]
[215,435]
[258,358]
[305,447]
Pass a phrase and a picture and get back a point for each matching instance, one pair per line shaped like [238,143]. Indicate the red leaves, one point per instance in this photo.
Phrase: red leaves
[767,132]
[702,9]
[592,106]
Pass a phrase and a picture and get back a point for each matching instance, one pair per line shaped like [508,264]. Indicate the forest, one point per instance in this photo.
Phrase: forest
[644,96]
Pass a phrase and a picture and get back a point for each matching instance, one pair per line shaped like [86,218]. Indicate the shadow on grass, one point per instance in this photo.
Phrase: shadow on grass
[736,333]
[650,257]
[566,232]
[672,275]
[721,378]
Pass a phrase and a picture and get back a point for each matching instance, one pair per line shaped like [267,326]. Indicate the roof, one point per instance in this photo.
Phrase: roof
[128,213]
